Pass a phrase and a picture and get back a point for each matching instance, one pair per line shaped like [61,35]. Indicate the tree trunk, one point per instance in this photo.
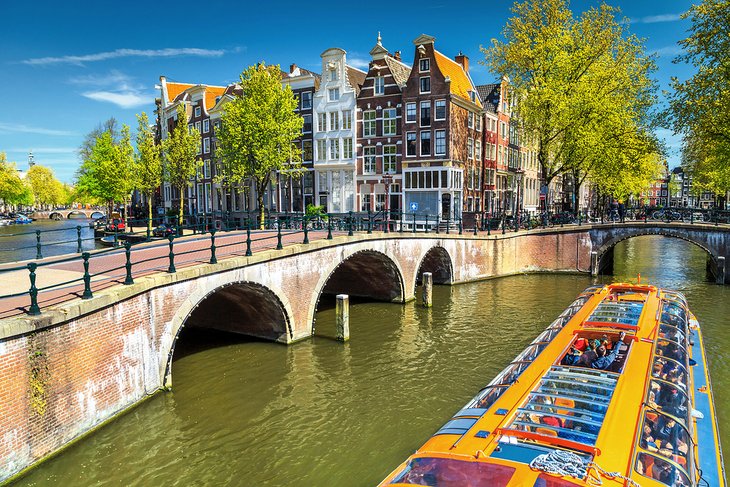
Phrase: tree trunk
[262,211]
[149,211]
[576,195]
[182,206]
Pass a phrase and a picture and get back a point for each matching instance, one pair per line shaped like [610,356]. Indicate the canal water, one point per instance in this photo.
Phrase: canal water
[321,413]
[19,242]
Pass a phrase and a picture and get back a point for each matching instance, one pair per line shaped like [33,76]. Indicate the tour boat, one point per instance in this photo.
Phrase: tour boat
[616,391]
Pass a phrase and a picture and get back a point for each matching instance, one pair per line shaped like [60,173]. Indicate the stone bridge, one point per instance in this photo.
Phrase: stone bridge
[80,363]
[65,214]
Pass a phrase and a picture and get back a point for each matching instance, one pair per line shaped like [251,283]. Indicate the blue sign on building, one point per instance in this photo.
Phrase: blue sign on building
[414,206]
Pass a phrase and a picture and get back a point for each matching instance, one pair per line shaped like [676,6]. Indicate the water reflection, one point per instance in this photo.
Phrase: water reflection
[325,413]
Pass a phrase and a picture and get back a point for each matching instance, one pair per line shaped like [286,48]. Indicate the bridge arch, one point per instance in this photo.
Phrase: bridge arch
[238,306]
[439,263]
[76,212]
[54,215]
[97,214]
[364,273]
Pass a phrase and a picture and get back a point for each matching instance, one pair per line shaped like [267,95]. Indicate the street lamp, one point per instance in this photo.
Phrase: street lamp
[387,180]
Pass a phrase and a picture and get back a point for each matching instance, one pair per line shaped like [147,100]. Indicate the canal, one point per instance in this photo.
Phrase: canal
[19,242]
[321,413]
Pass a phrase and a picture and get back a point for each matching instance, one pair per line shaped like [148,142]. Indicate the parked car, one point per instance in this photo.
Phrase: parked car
[115,223]
[164,231]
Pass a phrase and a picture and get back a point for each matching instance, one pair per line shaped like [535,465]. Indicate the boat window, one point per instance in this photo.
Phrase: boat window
[456,426]
[670,371]
[547,335]
[661,470]
[668,398]
[568,403]
[617,312]
[663,436]
[546,480]
[531,352]
[671,333]
[487,397]
[437,472]
[670,349]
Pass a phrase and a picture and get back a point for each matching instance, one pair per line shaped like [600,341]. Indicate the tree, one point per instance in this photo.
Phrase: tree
[46,189]
[13,190]
[699,107]
[258,130]
[566,75]
[111,126]
[180,150]
[106,175]
[147,164]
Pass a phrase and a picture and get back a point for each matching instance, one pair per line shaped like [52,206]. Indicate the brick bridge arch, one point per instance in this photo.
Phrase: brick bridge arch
[713,240]
[438,262]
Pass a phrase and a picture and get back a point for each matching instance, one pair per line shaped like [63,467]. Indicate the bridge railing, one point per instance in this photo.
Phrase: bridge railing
[207,239]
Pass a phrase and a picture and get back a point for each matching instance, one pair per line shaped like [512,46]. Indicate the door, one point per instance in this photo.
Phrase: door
[446,206]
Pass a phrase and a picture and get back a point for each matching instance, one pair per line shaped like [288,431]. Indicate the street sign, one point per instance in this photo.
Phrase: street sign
[414,206]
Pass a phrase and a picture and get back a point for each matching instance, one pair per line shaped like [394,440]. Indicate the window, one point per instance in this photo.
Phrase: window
[440,142]
[200,146]
[206,168]
[306,100]
[347,148]
[333,74]
[206,145]
[440,108]
[217,124]
[334,149]
[321,122]
[334,120]
[379,85]
[478,149]
[389,122]
[470,147]
[426,143]
[410,144]
[307,150]
[190,128]
[425,84]
[478,123]
[410,112]
[321,150]
[206,125]
[471,120]
[425,114]
[503,129]
[346,119]
[389,159]
[379,201]
[368,162]
[197,126]
[365,206]
[307,127]
[424,65]
[368,124]
[197,111]
[334,94]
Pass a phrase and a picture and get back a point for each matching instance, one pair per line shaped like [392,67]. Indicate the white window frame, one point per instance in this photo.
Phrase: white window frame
[322,122]
[369,125]
[390,159]
[420,84]
[421,138]
[379,85]
[347,148]
[414,105]
[309,105]
[369,160]
[206,145]
[435,109]
[425,104]
[470,148]
[390,122]
[206,168]
[427,62]
[334,149]
[415,145]
[321,150]
[333,94]
[436,143]
[304,130]
[197,111]
[334,120]
[346,119]
[206,126]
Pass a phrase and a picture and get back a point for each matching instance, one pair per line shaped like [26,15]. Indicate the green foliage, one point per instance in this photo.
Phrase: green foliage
[581,88]
[699,108]
[46,189]
[13,190]
[147,163]
[180,149]
[258,130]
[107,175]
[313,211]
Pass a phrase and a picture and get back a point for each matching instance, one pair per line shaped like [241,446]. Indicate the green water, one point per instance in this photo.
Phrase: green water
[321,413]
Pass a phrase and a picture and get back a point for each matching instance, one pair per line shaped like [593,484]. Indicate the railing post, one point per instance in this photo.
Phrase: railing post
[248,238]
[78,239]
[349,231]
[475,224]
[387,221]
[425,227]
[128,254]
[38,254]
[34,309]
[329,227]
[116,231]
[305,225]
[448,224]
[414,222]
[691,216]
[87,278]
[504,221]
[489,226]
[279,246]
[400,230]
[370,221]
[213,259]
[438,222]
[461,226]
[579,215]
[147,228]
[171,268]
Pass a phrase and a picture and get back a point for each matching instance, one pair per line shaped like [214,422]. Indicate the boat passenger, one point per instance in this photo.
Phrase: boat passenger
[604,361]
[647,438]
[572,357]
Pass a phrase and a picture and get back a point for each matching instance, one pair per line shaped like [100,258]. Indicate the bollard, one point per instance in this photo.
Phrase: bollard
[128,265]
[213,259]
[342,312]
[38,254]
[305,226]
[720,278]
[171,255]
[78,239]
[329,227]
[34,309]
[87,278]
[248,239]
[427,296]
[594,263]
[279,246]
[349,225]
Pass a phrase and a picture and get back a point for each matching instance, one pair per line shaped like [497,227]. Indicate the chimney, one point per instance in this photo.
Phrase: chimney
[396,56]
[463,60]
[292,67]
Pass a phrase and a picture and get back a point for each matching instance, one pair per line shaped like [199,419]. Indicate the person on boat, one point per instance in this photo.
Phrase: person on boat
[667,430]
[572,357]
[647,438]
[604,360]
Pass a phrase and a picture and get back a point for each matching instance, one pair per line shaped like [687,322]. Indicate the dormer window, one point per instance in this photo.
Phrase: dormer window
[379,85]
[424,65]
[473,96]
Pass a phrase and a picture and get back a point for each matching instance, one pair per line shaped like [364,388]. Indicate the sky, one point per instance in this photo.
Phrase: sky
[65,67]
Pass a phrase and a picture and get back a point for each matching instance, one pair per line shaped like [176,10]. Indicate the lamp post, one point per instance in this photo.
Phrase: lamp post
[387,180]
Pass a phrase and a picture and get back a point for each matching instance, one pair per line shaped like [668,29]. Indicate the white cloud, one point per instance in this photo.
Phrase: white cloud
[358,63]
[119,53]
[669,51]
[7,128]
[124,99]
[655,19]
[113,78]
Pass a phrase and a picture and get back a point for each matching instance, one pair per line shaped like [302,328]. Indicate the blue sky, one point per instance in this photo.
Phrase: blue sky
[67,66]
